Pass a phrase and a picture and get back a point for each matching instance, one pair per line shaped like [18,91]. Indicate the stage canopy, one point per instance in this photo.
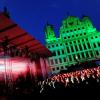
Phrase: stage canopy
[19,37]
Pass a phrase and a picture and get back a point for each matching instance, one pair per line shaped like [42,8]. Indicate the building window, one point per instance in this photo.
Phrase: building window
[72,49]
[54,53]
[97,53]
[72,35]
[80,34]
[88,45]
[78,41]
[62,51]
[64,37]
[94,45]
[82,27]
[58,52]
[87,55]
[66,43]
[70,42]
[62,67]
[52,62]
[67,31]
[57,68]
[48,46]
[82,55]
[80,47]
[74,29]
[68,49]
[91,37]
[53,69]
[64,59]
[82,40]
[74,56]
[99,44]
[68,36]
[77,35]
[60,60]
[70,58]
[52,45]
[91,53]
[56,61]
[78,55]
[96,37]
[84,46]
[70,30]
[86,39]
[74,41]
[78,28]
[66,66]
[84,33]
[57,45]
[76,47]
[60,44]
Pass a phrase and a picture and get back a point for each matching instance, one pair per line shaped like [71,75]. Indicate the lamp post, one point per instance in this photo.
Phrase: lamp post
[76,58]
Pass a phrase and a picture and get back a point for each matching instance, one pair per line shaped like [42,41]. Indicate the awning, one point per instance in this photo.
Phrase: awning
[19,37]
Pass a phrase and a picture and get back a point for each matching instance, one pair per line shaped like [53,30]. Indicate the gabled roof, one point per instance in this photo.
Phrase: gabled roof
[19,37]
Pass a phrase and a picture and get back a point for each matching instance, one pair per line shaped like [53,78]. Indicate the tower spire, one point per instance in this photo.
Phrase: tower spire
[49,32]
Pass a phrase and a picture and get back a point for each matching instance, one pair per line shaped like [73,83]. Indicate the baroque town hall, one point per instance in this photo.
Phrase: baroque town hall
[78,41]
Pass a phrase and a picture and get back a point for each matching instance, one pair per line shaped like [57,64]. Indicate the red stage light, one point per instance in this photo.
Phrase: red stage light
[13,67]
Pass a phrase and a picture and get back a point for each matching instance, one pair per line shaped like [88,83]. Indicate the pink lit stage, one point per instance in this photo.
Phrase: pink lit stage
[13,67]
[14,40]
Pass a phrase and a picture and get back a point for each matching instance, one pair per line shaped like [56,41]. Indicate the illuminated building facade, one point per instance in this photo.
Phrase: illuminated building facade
[79,41]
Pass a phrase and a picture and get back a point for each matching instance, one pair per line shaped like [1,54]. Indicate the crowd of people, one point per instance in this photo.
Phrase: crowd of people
[73,84]
[82,82]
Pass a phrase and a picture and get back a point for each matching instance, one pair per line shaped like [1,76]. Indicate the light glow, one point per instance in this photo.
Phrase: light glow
[14,67]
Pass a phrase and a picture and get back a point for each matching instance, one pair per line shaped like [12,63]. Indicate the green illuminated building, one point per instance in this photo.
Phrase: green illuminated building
[78,41]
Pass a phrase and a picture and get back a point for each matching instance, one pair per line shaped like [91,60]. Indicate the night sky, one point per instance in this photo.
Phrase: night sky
[32,15]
